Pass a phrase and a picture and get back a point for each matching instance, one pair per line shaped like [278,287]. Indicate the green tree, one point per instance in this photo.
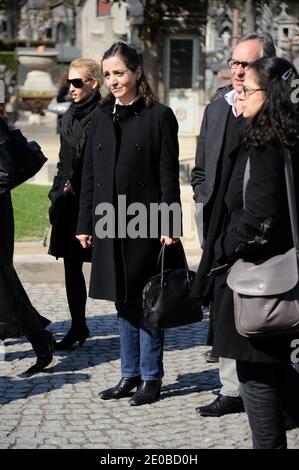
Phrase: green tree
[158,13]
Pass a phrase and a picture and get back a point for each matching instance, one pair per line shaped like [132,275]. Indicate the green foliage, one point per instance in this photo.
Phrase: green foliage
[9,59]
[31,205]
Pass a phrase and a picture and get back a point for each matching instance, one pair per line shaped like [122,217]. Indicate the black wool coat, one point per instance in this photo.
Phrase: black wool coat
[17,315]
[134,154]
[6,182]
[256,233]
[63,213]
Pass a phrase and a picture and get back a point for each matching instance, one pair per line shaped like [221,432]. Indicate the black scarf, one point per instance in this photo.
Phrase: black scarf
[82,108]
[78,118]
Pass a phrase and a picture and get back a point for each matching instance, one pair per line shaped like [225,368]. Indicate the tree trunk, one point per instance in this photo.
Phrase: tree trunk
[151,62]
[250,15]
[236,28]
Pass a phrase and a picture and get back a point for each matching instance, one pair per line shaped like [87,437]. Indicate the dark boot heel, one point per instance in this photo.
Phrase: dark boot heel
[82,340]
[148,391]
[72,336]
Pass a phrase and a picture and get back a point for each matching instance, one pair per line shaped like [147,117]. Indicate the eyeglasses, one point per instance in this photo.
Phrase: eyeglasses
[249,91]
[76,82]
[234,64]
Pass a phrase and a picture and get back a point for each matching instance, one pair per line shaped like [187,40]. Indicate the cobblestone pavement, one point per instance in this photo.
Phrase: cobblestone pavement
[60,408]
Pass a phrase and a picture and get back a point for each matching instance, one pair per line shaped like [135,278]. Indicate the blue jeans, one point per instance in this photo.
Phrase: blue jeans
[141,350]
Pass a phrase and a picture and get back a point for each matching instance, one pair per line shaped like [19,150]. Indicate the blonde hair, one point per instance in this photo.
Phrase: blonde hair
[89,68]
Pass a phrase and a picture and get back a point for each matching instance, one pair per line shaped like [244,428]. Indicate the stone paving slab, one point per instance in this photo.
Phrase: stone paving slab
[60,408]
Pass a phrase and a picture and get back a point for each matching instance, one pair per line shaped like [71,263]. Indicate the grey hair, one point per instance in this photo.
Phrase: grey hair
[266,40]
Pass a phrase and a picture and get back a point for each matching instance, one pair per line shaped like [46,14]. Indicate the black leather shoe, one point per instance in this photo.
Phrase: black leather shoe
[122,389]
[43,345]
[209,357]
[147,392]
[223,405]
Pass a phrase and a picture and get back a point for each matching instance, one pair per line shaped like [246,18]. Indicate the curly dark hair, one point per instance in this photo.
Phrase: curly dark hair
[278,119]
[132,60]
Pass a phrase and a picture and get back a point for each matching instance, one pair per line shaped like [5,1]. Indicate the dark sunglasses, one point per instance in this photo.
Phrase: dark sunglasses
[76,82]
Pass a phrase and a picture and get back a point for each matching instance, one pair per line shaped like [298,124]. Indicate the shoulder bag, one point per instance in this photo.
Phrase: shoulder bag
[27,157]
[166,298]
[266,295]
[58,108]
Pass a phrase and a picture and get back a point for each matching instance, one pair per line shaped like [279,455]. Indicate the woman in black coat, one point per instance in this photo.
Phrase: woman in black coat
[131,157]
[84,80]
[17,316]
[269,383]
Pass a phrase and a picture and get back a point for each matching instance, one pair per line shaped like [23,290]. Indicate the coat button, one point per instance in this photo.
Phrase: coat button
[99,146]
[99,185]
[138,147]
[137,115]
[141,184]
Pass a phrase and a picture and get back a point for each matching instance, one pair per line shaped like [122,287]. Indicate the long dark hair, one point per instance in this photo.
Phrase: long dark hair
[131,58]
[278,118]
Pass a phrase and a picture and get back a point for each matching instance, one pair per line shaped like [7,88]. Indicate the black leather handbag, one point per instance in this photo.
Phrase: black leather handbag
[166,301]
[26,155]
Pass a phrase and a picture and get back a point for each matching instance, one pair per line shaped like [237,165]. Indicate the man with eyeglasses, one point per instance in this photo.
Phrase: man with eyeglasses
[220,138]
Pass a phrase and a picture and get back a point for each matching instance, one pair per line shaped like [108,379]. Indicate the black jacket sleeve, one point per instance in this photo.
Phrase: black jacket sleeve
[169,169]
[266,206]
[198,172]
[85,218]
[6,160]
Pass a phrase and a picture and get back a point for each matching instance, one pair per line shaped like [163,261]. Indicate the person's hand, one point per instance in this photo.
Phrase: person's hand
[85,240]
[68,188]
[168,240]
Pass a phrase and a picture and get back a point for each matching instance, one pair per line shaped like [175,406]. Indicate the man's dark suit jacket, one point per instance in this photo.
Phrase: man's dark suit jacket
[208,152]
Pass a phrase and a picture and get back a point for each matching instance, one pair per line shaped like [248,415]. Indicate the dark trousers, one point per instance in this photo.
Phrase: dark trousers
[269,390]
[75,288]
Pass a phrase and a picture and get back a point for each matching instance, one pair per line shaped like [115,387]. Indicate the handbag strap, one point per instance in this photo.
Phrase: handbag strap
[161,259]
[289,174]
[290,185]
[246,179]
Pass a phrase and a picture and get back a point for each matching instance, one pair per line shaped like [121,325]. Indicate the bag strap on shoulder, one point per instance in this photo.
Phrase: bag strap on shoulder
[289,174]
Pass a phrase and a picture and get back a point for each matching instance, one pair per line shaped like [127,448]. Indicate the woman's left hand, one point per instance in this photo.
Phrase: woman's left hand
[168,240]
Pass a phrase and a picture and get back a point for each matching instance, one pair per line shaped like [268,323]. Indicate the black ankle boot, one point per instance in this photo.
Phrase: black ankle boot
[148,391]
[73,335]
[43,345]
[122,389]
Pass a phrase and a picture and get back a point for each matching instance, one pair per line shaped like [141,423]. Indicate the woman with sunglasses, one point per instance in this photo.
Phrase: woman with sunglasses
[257,228]
[131,158]
[84,81]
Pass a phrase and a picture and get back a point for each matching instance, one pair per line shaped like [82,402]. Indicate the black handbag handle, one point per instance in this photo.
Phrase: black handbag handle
[161,259]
